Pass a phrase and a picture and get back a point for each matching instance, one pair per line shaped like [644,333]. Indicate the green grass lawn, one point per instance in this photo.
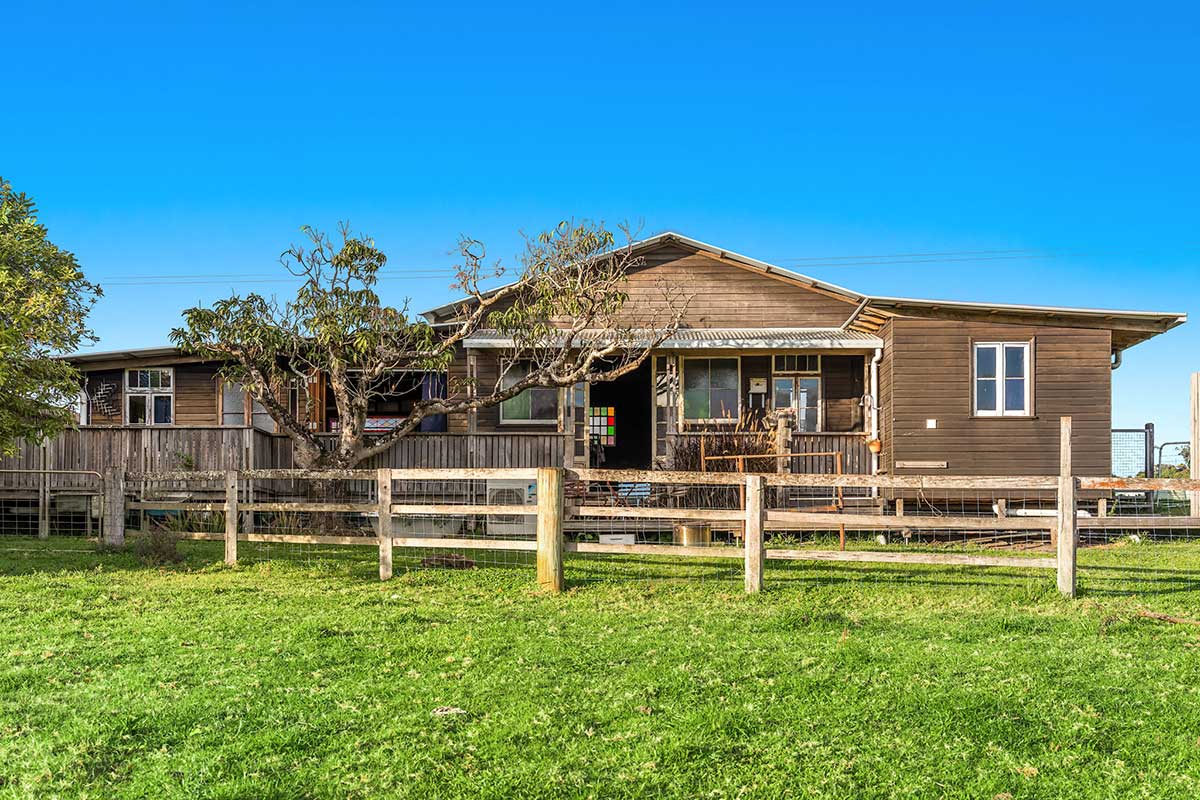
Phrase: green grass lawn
[300,675]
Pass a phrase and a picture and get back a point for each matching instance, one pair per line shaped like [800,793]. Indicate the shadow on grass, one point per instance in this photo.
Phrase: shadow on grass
[59,555]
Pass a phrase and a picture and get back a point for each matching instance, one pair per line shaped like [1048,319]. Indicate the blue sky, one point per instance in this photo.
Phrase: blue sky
[161,141]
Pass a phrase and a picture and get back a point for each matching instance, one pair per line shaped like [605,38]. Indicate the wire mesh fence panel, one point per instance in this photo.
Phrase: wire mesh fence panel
[486,519]
[315,518]
[641,526]
[1140,537]
[44,503]
[849,520]
[1133,452]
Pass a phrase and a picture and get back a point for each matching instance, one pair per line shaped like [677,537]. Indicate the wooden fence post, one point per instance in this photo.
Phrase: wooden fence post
[550,528]
[1067,533]
[231,516]
[114,507]
[43,493]
[753,540]
[783,444]
[1194,453]
[384,493]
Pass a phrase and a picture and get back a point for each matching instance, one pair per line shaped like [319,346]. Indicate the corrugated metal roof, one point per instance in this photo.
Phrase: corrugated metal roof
[724,338]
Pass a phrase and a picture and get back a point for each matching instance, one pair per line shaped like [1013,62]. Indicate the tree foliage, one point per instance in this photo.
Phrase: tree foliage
[44,303]
[561,316]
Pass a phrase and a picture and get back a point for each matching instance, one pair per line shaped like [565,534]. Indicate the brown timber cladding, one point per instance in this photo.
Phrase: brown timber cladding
[720,295]
[929,362]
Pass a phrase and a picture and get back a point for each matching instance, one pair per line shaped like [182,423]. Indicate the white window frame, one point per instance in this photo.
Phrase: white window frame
[811,374]
[150,394]
[710,420]
[553,420]
[998,380]
[808,376]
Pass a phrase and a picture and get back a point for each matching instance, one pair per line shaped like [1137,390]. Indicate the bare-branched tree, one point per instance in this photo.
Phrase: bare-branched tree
[562,320]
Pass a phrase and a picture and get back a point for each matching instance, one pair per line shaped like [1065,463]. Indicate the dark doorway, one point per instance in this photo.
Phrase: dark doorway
[620,421]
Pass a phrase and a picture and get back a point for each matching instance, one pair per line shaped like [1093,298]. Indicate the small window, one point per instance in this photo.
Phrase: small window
[710,389]
[149,396]
[148,379]
[797,364]
[1002,381]
[537,405]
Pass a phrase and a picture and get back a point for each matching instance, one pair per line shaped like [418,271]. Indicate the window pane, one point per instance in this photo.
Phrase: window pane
[723,403]
[232,409]
[153,379]
[543,404]
[985,395]
[806,420]
[162,409]
[783,393]
[261,418]
[810,392]
[1014,362]
[695,375]
[514,373]
[137,409]
[985,362]
[515,407]
[695,404]
[725,374]
[164,378]
[1014,394]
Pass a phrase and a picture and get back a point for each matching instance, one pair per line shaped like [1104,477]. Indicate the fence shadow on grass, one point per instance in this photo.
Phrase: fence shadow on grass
[597,569]
[826,573]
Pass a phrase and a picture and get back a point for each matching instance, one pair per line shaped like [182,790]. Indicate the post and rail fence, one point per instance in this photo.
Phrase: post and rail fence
[569,508]
[543,514]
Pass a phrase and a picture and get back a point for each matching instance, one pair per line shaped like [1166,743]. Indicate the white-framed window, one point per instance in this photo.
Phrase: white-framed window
[1002,379]
[537,405]
[150,396]
[710,389]
[796,385]
[803,396]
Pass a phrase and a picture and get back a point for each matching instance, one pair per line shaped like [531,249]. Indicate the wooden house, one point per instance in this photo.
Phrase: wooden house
[896,385]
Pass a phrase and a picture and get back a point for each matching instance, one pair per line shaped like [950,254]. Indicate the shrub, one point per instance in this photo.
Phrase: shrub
[158,546]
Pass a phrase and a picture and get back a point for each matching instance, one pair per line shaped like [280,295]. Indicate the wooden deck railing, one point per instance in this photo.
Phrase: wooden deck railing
[167,449]
[856,456]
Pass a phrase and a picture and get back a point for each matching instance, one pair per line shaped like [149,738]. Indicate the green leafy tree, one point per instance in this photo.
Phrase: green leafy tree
[44,303]
[560,316]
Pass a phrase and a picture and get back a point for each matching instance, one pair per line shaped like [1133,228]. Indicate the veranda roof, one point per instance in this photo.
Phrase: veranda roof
[722,338]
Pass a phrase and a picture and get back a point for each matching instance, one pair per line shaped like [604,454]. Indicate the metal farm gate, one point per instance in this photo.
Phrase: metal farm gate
[1133,452]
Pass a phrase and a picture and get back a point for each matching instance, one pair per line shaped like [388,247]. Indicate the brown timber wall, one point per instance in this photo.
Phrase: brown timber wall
[885,398]
[196,394]
[930,378]
[723,295]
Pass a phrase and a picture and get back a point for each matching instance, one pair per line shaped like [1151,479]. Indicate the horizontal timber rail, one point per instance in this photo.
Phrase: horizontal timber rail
[822,520]
[948,559]
[1142,484]
[1031,482]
